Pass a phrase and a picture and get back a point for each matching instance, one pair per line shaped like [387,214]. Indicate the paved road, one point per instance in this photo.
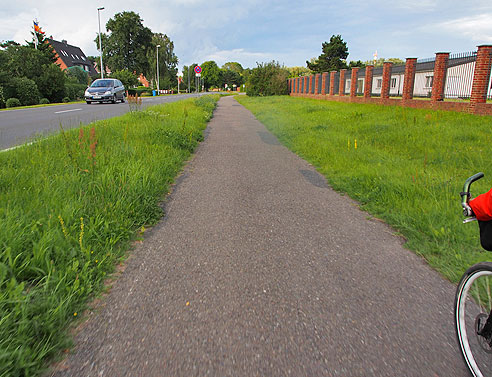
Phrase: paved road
[260,269]
[18,126]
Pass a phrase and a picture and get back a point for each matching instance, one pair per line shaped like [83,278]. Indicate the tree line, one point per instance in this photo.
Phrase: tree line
[29,76]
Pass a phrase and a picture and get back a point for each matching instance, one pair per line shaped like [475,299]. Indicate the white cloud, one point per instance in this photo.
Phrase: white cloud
[478,28]
[247,58]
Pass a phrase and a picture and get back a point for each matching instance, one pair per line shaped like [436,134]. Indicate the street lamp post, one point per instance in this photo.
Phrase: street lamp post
[100,44]
[158,88]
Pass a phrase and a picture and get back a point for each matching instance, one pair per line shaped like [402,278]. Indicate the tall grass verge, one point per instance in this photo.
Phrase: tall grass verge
[405,166]
[70,205]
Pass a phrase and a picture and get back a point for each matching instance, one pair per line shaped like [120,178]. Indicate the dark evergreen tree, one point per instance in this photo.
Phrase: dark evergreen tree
[332,57]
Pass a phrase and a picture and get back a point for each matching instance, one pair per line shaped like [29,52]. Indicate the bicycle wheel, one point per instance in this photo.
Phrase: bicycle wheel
[472,308]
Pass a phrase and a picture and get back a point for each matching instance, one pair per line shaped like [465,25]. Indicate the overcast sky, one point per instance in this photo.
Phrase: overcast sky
[250,31]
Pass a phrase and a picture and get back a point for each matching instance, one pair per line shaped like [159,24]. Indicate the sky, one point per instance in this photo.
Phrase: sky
[251,31]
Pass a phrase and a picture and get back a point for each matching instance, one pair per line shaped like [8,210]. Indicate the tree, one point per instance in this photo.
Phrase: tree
[231,78]
[126,77]
[233,66]
[298,71]
[332,57]
[379,62]
[268,79]
[127,46]
[357,63]
[96,62]
[192,78]
[211,75]
[25,61]
[168,61]
[51,83]
[25,90]
[77,75]
[44,46]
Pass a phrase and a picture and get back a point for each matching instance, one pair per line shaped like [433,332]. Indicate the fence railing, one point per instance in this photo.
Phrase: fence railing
[459,78]
[456,76]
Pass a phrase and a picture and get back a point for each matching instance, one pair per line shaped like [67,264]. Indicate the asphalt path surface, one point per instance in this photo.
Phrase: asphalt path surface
[260,269]
[18,126]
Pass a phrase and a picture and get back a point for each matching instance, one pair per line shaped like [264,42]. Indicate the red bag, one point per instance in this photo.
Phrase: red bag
[482,206]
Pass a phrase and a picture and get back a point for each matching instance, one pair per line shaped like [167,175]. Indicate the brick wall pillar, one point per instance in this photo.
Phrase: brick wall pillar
[353,82]
[409,78]
[316,83]
[368,81]
[332,82]
[481,76]
[385,90]
[323,82]
[341,87]
[439,80]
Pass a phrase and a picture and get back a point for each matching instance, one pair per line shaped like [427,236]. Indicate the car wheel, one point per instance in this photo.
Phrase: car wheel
[114,99]
[88,102]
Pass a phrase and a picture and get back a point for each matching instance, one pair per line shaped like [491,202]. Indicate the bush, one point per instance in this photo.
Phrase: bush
[66,99]
[13,102]
[2,98]
[78,75]
[44,101]
[126,77]
[268,79]
[26,91]
[51,83]
[74,91]
[139,91]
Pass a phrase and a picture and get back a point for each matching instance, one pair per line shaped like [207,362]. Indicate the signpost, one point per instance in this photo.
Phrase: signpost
[198,74]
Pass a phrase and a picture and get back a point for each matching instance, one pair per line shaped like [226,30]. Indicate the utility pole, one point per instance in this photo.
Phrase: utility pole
[100,44]
[158,87]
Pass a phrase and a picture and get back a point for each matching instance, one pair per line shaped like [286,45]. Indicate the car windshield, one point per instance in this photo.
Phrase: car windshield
[102,84]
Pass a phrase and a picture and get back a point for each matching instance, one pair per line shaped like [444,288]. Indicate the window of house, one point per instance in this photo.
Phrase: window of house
[393,82]
[428,81]
[379,83]
[347,85]
[360,86]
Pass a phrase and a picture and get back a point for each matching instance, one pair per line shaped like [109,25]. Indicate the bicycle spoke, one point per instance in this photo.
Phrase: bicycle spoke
[487,287]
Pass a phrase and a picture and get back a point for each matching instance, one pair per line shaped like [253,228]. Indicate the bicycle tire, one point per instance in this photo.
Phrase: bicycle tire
[470,313]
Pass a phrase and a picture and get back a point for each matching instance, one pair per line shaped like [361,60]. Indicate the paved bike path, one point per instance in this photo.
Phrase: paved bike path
[260,269]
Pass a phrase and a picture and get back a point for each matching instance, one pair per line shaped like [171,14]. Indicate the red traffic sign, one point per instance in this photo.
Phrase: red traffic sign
[198,69]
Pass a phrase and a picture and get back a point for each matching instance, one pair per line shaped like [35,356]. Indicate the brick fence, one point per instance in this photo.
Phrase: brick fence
[300,86]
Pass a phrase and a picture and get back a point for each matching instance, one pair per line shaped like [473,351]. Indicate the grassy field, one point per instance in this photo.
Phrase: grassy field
[405,166]
[70,205]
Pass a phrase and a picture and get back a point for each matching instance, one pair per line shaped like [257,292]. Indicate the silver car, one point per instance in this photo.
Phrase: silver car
[105,90]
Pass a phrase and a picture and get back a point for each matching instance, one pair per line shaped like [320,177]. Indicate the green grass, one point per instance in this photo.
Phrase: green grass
[70,205]
[45,105]
[408,168]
